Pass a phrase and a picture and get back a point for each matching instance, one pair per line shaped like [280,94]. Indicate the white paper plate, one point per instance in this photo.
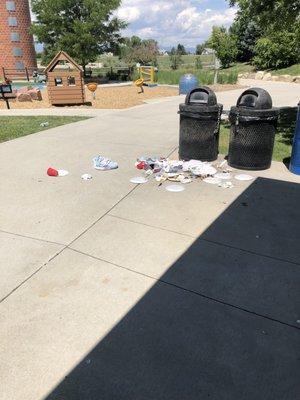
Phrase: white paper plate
[212,180]
[175,188]
[138,179]
[244,177]
[62,172]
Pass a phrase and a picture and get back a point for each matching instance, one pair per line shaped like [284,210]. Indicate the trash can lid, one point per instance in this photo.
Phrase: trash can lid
[255,99]
[201,95]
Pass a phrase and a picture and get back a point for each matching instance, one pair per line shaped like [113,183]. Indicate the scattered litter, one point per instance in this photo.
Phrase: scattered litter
[57,172]
[223,175]
[104,164]
[63,172]
[175,188]
[224,162]
[86,177]
[212,180]
[52,171]
[199,168]
[138,180]
[226,185]
[44,124]
[244,177]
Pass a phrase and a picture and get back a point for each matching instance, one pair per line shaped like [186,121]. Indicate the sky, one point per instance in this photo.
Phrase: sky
[188,22]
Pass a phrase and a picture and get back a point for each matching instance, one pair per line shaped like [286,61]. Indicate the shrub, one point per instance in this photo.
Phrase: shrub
[198,63]
[279,50]
[205,77]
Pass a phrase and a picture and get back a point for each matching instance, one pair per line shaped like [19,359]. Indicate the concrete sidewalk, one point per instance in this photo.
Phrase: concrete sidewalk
[118,291]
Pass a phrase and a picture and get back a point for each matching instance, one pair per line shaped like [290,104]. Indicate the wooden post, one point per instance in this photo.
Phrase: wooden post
[152,75]
[3,72]
[27,74]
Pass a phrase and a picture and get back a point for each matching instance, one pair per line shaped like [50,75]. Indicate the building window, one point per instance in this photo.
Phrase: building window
[10,6]
[71,81]
[19,65]
[12,21]
[58,82]
[15,37]
[17,52]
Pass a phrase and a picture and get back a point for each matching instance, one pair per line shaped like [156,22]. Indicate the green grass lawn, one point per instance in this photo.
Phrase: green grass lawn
[282,147]
[241,68]
[15,127]
[292,70]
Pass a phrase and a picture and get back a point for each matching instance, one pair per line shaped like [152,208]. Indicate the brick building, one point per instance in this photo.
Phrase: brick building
[16,43]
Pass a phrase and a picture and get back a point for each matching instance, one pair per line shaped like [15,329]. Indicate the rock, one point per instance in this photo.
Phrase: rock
[296,79]
[286,78]
[23,89]
[35,94]
[259,75]
[23,97]
[275,78]
[267,76]
[244,75]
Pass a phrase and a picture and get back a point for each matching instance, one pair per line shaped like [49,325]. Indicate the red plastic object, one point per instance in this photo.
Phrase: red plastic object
[141,165]
[52,172]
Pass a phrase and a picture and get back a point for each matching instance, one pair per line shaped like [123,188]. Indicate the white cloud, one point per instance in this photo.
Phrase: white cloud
[170,22]
[129,14]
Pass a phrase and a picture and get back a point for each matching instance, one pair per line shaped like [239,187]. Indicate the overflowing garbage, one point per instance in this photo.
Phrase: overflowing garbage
[183,172]
[175,173]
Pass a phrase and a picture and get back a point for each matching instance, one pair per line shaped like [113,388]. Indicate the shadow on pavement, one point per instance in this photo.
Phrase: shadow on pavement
[220,324]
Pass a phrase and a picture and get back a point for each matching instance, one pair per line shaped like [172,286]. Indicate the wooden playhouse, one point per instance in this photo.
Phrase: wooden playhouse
[65,81]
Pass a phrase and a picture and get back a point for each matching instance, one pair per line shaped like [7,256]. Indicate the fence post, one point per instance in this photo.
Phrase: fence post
[27,75]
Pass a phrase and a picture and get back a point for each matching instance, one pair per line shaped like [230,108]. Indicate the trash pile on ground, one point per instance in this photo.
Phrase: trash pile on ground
[174,173]
[99,163]
[184,172]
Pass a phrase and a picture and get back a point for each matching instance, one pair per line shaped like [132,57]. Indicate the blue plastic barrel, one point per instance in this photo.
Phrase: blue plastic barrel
[295,160]
[187,83]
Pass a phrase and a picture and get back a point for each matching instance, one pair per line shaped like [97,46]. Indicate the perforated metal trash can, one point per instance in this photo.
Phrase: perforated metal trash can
[253,127]
[199,125]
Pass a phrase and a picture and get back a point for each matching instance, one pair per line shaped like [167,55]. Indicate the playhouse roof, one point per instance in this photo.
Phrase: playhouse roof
[62,56]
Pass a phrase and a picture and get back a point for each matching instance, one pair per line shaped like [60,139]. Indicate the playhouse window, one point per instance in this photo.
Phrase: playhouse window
[58,81]
[71,80]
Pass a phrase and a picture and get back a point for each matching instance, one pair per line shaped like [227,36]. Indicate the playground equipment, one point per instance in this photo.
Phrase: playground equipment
[65,80]
[92,87]
[147,73]
[139,83]
[295,160]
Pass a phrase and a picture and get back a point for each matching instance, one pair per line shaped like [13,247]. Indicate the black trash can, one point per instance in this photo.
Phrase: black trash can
[253,127]
[199,125]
